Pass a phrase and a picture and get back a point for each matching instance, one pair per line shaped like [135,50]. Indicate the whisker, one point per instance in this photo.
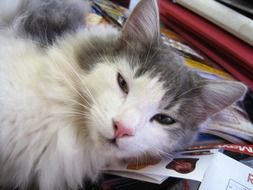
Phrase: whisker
[77,103]
[72,114]
[72,86]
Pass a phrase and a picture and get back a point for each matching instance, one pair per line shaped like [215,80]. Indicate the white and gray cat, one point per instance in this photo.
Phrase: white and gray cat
[95,95]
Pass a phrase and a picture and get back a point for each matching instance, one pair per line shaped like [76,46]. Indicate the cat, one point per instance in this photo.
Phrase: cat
[75,98]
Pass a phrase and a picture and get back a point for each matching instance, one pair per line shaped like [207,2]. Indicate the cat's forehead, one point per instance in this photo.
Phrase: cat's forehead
[150,65]
[146,86]
[144,90]
[161,63]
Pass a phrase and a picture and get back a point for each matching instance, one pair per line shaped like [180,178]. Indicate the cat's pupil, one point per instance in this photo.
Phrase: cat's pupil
[122,83]
[163,119]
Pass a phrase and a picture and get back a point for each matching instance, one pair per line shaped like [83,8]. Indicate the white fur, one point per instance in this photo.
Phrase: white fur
[31,120]
[39,139]
[134,111]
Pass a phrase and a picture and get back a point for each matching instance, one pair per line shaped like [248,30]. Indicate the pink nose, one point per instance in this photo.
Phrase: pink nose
[121,130]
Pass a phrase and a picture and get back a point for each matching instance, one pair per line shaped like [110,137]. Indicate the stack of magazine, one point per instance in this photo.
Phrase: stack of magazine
[219,32]
[205,165]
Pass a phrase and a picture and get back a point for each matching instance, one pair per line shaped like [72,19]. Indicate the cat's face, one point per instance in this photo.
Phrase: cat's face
[142,97]
[135,103]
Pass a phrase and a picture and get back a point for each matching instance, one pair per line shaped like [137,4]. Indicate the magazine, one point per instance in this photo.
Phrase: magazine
[188,165]
[240,26]
[231,124]
[195,163]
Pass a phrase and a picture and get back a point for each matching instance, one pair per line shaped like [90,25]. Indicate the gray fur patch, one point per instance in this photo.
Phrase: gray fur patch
[45,20]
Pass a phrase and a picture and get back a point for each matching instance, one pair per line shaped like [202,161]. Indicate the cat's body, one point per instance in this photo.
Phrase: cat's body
[95,96]
[31,118]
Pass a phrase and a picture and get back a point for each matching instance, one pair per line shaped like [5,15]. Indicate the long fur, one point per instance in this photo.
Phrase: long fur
[58,104]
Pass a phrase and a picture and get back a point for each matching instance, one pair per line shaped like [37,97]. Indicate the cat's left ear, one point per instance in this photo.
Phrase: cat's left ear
[143,23]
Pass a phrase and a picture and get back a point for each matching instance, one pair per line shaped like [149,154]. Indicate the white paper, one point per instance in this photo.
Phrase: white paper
[225,173]
[148,178]
[159,172]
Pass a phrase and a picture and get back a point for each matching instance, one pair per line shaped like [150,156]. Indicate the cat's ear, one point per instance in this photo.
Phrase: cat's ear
[217,95]
[143,23]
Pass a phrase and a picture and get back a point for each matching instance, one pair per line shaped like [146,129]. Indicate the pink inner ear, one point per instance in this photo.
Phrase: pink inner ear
[143,23]
[121,130]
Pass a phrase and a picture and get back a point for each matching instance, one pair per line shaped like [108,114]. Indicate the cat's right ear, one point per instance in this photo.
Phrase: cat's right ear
[143,23]
[219,94]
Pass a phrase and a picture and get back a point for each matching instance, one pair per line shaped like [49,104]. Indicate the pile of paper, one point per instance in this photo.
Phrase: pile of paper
[190,165]
[222,47]
[231,124]
[215,167]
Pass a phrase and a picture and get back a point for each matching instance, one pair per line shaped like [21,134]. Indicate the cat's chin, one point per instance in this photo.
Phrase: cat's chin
[117,148]
[113,142]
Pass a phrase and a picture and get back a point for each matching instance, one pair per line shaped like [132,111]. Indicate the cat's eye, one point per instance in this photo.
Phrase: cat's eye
[163,119]
[122,83]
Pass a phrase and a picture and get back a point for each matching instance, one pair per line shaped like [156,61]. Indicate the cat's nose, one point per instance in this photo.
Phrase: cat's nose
[121,130]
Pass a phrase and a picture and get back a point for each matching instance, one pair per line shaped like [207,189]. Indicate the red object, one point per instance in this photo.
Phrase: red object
[244,149]
[234,55]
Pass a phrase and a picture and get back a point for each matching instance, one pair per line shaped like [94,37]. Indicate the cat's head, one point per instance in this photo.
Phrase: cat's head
[142,98]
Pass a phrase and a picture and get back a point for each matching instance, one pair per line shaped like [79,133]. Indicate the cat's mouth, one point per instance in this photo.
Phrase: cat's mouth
[113,142]
[109,141]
